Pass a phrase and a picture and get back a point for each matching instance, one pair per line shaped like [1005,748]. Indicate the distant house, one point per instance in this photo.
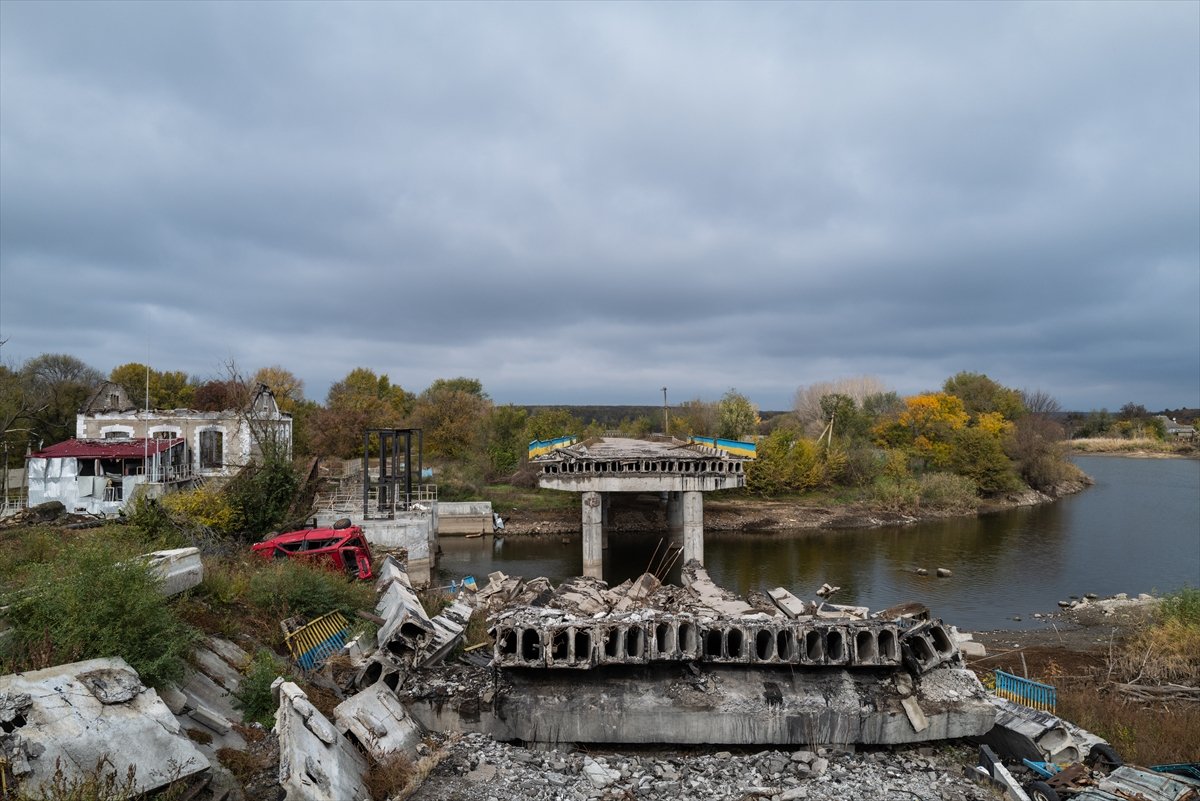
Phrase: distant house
[1176,430]
[217,443]
[100,476]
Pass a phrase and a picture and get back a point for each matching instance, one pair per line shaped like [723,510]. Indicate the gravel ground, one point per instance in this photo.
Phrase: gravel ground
[475,768]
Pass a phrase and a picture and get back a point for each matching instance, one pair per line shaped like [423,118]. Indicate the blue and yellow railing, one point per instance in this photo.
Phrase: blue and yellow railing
[539,447]
[311,644]
[746,450]
[1032,694]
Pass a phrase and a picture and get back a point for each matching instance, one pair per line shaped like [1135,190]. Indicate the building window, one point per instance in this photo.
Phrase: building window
[116,435]
[113,400]
[164,435]
[212,449]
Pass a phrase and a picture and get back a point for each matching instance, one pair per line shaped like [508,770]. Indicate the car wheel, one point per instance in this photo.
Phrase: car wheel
[1040,791]
[343,522]
[1104,757]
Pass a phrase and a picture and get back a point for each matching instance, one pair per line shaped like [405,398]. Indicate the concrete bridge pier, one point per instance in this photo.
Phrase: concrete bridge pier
[593,537]
[692,510]
[605,503]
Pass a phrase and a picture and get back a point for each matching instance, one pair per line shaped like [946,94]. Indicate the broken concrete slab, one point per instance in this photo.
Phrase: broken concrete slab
[316,763]
[449,629]
[789,604]
[638,591]
[377,720]
[179,569]
[581,596]
[75,715]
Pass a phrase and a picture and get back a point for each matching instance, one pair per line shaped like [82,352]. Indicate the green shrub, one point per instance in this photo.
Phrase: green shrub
[154,525]
[206,506]
[1182,607]
[88,603]
[253,695]
[946,491]
[287,587]
[261,495]
[896,494]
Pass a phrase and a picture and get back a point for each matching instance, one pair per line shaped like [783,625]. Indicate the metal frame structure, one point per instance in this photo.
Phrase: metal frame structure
[393,471]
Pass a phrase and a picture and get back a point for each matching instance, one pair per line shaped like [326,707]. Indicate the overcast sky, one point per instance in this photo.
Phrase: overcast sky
[582,203]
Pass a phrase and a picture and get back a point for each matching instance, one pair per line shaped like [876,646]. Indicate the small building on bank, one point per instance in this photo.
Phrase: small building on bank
[100,476]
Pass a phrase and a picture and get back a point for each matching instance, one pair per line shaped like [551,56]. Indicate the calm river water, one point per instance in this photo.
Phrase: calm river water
[1136,530]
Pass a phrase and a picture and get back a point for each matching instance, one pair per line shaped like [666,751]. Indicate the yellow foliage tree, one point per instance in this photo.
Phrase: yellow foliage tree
[925,426]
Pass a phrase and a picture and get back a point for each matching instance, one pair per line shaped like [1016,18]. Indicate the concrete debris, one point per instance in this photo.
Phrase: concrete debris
[718,599]
[638,591]
[316,763]
[1024,733]
[789,604]
[406,629]
[179,569]
[77,715]
[476,768]
[928,645]
[377,721]
[582,596]
[828,611]
[826,590]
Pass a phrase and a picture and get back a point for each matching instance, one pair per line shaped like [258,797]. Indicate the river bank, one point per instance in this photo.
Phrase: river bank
[726,512]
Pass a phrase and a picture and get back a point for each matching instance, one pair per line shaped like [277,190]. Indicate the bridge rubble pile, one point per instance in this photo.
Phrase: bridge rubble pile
[645,662]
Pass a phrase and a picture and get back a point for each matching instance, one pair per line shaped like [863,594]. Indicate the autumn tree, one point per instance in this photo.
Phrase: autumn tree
[56,385]
[786,462]
[1038,450]
[286,386]
[452,414]
[925,427]
[359,401]
[736,415]
[168,389]
[552,424]
[506,444]
[980,394]
[694,418]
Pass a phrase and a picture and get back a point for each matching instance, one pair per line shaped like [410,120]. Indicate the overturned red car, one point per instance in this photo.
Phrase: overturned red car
[342,548]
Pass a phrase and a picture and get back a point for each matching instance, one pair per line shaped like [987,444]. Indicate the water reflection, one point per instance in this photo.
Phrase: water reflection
[1137,530]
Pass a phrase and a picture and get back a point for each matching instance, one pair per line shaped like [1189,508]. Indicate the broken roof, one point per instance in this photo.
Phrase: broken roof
[133,448]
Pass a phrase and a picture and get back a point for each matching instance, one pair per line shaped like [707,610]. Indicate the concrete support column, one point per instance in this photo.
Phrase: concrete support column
[674,510]
[605,499]
[593,553]
[693,527]
[675,518]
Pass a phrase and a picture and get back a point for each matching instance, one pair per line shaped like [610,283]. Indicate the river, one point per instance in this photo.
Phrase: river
[1137,530]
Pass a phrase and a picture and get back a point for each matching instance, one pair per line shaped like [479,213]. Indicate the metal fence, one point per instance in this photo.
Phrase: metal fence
[1032,694]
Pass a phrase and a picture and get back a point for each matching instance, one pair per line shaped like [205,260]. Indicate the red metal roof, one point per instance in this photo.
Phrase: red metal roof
[133,448]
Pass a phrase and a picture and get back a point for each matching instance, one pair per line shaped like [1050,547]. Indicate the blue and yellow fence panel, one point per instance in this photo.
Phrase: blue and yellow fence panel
[746,450]
[313,643]
[540,447]
[1032,694]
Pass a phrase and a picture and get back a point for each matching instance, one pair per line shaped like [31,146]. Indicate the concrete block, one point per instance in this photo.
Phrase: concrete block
[179,569]
[378,721]
[316,763]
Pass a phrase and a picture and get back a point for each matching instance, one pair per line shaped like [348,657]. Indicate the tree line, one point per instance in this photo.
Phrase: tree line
[973,437]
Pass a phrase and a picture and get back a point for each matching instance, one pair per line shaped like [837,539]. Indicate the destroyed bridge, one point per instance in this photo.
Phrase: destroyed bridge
[600,466]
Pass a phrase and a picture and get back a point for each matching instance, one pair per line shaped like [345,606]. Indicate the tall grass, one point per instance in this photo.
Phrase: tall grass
[93,601]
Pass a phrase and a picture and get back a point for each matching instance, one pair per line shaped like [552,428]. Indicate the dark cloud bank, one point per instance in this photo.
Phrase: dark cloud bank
[580,203]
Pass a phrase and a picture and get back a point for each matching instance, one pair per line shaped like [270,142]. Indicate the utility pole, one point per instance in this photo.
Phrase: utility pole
[666,422]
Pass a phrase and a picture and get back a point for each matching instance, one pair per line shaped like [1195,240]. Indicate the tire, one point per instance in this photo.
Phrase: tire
[1103,757]
[1040,791]
[340,523]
